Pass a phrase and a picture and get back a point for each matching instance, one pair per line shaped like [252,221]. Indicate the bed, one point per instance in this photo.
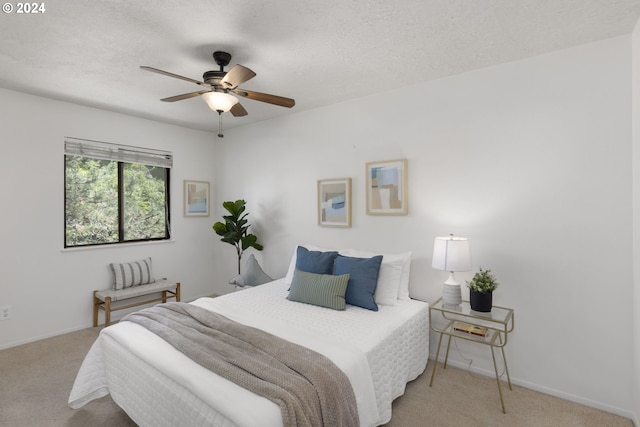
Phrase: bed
[379,351]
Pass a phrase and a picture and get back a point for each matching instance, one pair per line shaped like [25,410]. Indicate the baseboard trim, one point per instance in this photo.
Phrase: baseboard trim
[45,336]
[547,390]
[86,325]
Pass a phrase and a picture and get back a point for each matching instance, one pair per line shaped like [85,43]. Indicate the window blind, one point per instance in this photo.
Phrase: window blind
[122,153]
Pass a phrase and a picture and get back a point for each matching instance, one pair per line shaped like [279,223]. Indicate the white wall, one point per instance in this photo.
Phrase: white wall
[636,220]
[530,160]
[50,289]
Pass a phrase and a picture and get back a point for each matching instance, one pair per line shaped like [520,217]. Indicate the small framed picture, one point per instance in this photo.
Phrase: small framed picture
[387,188]
[196,198]
[334,202]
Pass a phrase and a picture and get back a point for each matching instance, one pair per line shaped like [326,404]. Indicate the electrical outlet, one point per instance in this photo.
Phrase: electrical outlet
[5,312]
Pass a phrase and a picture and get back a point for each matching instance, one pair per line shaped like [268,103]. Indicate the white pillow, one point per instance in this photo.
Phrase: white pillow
[403,292]
[388,282]
[292,267]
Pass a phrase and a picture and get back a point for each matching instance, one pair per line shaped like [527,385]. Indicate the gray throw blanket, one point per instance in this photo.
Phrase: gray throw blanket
[309,388]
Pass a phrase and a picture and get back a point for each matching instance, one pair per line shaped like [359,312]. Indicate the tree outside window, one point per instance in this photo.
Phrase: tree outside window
[110,201]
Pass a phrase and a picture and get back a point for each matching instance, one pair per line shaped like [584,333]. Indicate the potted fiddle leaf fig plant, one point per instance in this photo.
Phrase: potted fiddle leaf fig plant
[235,229]
[481,289]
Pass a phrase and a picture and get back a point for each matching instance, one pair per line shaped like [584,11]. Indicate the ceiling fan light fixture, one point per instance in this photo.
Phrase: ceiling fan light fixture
[219,101]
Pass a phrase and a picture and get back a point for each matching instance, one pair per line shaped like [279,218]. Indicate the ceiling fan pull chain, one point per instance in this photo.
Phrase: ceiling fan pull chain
[220,135]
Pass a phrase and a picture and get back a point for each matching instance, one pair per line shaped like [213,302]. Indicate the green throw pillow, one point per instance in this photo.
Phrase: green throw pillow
[324,290]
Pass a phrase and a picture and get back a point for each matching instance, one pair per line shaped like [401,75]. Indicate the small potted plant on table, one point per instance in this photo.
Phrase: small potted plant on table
[481,289]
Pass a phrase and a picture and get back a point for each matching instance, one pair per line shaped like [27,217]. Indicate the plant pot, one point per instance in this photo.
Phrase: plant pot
[480,301]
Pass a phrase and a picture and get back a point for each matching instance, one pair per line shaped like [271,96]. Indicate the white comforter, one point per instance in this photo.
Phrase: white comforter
[348,338]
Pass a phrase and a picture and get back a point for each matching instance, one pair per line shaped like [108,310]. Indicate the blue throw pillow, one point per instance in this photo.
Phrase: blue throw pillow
[363,279]
[314,261]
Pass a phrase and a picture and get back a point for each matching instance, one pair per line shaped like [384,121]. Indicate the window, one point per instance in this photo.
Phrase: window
[115,193]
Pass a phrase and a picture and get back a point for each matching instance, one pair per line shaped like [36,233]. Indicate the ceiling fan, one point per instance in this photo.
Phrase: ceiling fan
[219,87]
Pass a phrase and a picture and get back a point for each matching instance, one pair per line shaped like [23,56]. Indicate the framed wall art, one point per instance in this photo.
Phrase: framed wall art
[196,198]
[334,202]
[387,188]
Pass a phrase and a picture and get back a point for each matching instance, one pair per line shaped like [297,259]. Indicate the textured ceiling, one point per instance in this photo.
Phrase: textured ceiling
[317,52]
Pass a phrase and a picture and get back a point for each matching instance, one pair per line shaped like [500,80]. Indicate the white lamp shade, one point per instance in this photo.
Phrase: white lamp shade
[219,101]
[451,254]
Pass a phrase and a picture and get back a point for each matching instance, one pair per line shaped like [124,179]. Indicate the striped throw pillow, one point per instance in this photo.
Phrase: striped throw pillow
[130,274]
[324,290]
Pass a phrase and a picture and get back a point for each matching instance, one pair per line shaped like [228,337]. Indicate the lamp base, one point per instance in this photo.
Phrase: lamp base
[451,294]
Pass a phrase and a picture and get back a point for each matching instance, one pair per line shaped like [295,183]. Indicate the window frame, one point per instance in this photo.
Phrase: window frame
[74,147]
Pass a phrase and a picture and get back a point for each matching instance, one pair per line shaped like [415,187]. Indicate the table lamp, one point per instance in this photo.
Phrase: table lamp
[451,254]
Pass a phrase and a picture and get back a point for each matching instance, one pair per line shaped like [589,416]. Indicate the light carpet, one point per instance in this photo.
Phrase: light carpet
[36,378]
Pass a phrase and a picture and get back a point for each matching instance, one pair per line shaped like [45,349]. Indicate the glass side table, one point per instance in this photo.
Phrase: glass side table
[491,329]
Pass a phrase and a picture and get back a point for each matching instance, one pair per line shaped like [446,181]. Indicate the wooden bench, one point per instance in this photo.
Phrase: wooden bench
[104,299]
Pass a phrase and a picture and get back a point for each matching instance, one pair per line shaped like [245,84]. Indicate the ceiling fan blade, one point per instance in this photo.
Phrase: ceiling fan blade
[265,97]
[236,76]
[183,96]
[166,73]
[238,110]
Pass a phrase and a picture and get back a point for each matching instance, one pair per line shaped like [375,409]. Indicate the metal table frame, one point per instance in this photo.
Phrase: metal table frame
[499,323]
